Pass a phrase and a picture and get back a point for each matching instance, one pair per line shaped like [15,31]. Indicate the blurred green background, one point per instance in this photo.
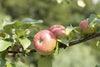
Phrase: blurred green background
[53,12]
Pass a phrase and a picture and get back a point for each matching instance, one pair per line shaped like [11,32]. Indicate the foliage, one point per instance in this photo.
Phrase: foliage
[13,37]
[51,13]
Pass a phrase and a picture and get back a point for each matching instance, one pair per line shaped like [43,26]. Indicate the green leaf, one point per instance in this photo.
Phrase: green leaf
[11,65]
[6,22]
[57,49]
[77,29]
[2,34]
[29,20]
[26,25]
[69,29]
[20,32]
[3,54]
[98,16]
[45,61]
[16,25]
[92,18]
[8,29]
[4,45]
[2,63]
[25,42]
[96,21]
[64,41]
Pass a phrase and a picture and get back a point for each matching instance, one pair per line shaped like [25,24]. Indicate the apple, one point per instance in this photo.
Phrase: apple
[85,28]
[58,30]
[44,42]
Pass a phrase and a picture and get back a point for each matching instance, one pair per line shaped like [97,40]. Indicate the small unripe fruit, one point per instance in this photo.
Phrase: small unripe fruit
[44,42]
[58,30]
[85,28]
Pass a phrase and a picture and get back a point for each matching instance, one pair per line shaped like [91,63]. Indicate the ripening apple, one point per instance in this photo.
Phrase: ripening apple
[58,30]
[85,28]
[44,42]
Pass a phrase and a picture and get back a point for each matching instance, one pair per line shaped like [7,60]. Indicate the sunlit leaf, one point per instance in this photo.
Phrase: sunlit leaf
[92,18]
[6,22]
[98,16]
[20,32]
[25,42]
[16,25]
[11,65]
[29,20]
[64,41]
[4,45]
[69,29]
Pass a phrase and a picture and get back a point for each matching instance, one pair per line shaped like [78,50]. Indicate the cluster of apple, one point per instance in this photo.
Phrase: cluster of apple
[45,40]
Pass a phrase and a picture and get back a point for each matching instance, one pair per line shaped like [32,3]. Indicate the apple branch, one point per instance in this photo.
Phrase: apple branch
[80,41]
[65,46]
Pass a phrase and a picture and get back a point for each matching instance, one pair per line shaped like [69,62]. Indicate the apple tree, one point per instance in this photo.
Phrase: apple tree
[15,38]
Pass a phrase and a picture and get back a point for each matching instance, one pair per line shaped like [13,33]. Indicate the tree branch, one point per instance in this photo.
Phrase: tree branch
[63,45]
[80,41]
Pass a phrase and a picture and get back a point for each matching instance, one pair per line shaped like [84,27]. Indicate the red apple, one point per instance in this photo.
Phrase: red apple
[85,28]
[44,42]
[58,30]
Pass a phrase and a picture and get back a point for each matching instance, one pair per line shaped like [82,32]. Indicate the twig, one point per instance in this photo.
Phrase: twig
[80,41]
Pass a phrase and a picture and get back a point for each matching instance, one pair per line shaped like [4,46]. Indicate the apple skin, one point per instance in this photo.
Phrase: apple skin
[58,30]
[44,42]
[85,28]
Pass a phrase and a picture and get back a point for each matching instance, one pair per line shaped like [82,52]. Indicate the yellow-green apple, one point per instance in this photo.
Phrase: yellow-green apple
[44,42]
[85,28]
[58,30]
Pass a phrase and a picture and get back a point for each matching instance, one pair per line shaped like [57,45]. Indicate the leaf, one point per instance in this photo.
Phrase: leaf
[20,32]
[2,34]
[16,25]
[4,45]
[25,42]
[57,49]
[29,20]
[45,61]
[69,29]
[26,25]
[96,21]
[6,22]
[77,29]
[8,28]
[92,18]
[2,63]
[3,54]
[98,16]
[64,41]
[11,65]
